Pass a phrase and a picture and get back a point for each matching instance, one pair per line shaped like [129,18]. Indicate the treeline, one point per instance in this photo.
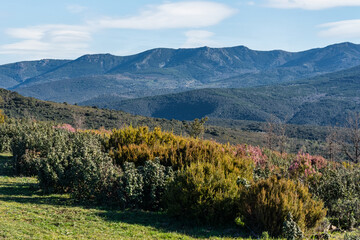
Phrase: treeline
[263,191]
[337,143]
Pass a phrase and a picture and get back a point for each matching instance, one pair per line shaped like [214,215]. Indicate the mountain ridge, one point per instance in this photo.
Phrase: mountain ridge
[167,70]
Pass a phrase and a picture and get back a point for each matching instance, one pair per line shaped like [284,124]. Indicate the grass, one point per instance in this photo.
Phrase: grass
[26,213]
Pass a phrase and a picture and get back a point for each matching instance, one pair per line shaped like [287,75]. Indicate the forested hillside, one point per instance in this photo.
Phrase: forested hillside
[322,100]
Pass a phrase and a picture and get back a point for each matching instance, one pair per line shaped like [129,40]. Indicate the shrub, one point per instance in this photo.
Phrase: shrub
[2,116]
[290,230]
[139,145]
[267,203]
[338,187]
[76,165]
[206,192]
[348,236]
[305,165]
[144,187]
[29,141]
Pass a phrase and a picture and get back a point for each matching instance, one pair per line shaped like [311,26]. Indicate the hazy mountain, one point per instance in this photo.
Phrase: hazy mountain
[161,71]
[321,100]
[16,73]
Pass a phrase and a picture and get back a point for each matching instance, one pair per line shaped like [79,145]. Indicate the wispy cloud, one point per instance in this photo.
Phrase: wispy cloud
[341,29]
[172,15]
[49,39]
[312,4]
[74,8]
[58,40]
[198,38]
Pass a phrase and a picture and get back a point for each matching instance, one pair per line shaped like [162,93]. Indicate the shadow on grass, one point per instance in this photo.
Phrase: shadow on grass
[16,189]
[165,223]
[6,166]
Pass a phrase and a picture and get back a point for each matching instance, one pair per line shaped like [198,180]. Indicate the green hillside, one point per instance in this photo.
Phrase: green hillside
[233,131]
[17,106]
[323,100]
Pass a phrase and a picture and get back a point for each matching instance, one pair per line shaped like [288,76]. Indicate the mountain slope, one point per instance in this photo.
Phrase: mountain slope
[160,71]
[322,100]
[17,106]
[221,130]
[16,73]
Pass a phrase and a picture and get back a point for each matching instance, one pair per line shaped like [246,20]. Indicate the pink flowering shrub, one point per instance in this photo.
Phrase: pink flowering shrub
[305,165]
[254,153]
[66,127]
[268,163]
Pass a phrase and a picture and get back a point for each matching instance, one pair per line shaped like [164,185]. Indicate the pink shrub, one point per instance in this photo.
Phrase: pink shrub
[66,127]
[306,165]
[254,153]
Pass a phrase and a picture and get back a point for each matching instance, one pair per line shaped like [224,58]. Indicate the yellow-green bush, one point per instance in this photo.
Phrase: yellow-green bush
[2,116]
[139,145]
[267,203]
[206,192]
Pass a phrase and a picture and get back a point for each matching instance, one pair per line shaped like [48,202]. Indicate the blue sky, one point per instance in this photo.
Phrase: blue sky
[38,29]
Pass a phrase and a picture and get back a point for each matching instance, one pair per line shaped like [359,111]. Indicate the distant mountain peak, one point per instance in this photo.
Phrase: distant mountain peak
[166,70]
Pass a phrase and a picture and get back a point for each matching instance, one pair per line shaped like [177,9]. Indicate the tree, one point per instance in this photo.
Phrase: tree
[351,137]
[78,120]
[196,128]
[332,143]
[276,138]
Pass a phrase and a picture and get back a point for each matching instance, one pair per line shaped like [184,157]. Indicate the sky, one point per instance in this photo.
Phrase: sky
[68,29]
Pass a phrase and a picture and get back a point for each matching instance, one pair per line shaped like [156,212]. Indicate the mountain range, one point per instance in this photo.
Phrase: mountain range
[163,71]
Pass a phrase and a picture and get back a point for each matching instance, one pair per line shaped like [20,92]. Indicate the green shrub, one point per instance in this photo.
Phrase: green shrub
[131,186]
[350,236]
[265,236]
[78,166]
[206,192]
[338,187]
[267,203]
[156,180]
[290,230]
[144,187]
[29,142]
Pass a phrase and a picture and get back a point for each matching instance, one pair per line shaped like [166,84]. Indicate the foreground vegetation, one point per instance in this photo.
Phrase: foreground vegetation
[27,213]
[264,192]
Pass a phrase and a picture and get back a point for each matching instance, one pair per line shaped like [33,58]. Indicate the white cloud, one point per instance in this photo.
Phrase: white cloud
[59,40]
[312,4]
[172,15]
[25,33]
[198,38]
[26,45]
[48,39]
[341,29]
[74,8]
